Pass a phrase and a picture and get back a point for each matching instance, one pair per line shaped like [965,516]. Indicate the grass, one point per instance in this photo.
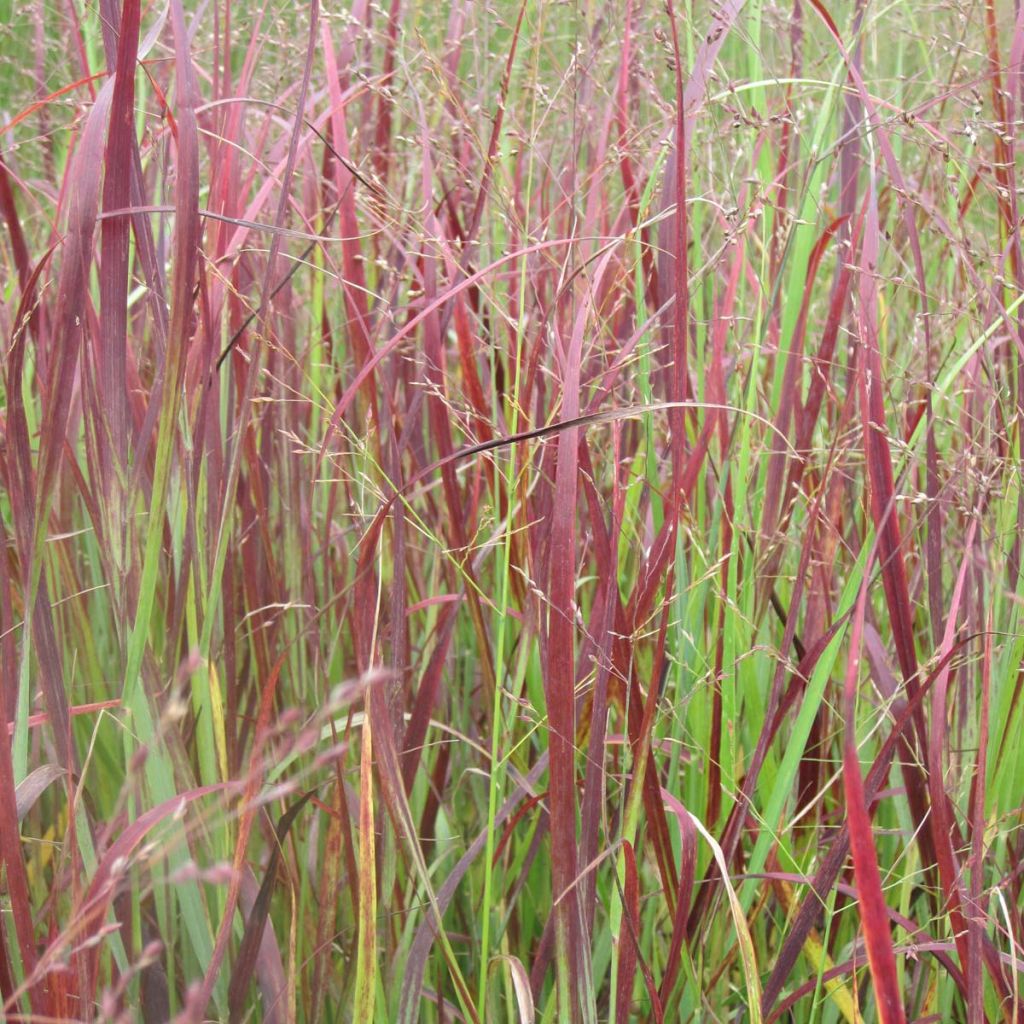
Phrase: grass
[511,512]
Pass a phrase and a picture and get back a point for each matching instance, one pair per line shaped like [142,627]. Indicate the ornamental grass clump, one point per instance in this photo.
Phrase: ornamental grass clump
[511,512]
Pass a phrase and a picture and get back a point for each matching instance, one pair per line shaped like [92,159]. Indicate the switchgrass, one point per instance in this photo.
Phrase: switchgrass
[511,511]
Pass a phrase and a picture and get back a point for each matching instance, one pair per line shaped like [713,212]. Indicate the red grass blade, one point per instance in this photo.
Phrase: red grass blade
[629,930]
[71,317]
[114,235]
[873,911]
[9,213]
[560,679]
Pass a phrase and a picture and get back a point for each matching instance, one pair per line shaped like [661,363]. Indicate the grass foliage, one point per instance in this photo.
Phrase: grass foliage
[511,511]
